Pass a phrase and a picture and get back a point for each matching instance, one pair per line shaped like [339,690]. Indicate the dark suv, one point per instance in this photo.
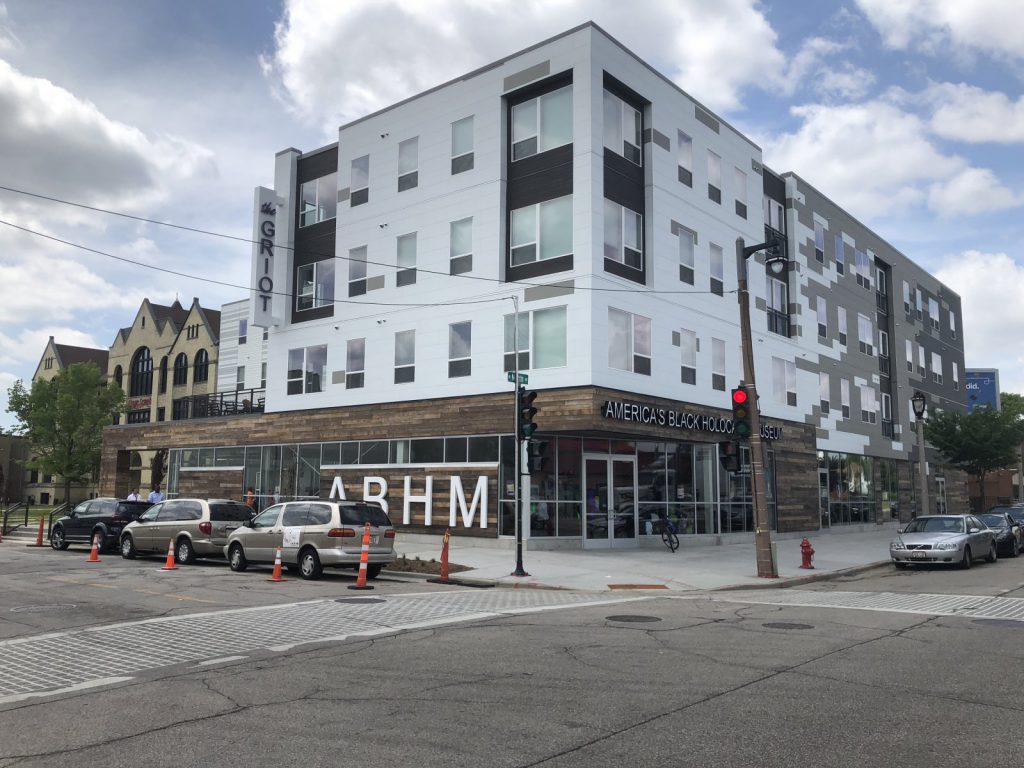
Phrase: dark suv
[102,519]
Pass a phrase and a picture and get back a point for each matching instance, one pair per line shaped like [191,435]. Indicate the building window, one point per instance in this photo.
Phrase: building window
[141,382]
[460,246]
[883,344]
[119,376]
[956,376]
[841,325]
[910,355]
[688,347]
[687,244]
[774,214]
[933,313]
[623,128]
[405,357]
[952,323]
[778,306]
[684,157]
[460,348]
[784,381]
[243,331]
[822,312]
[936,367]
[740,181]
[920,360]
[163,374]
[629,342]
[408,164]
[161,414]
[240,378]
[319,200]
[886,407]
[406,260]
[714,177]
[357,271]
[202,367]
[355,362]
[263,375]
[906,297]
[863,268]
[542,231]
[307,370]
[844,396]
[181,370]
[315,285]
[542,123]
[360,181]
[868,404]
[819,242]
[546,344]
[919,301]
[824,393]
[623,235]
[865,335]
[717,269]
[179,409]
[462,145]
[840,256]
[142,416]
[718,364]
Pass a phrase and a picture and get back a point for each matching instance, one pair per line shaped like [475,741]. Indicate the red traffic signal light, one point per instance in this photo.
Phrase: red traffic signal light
[739,396]
[740,413]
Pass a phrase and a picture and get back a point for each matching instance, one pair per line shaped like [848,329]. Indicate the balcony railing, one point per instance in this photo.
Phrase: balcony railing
[882,302]
[883,365]
[887,430]
[219,404]
[778,322]
[770,233]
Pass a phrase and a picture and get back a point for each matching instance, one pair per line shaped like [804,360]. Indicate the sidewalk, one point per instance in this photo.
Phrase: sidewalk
[693,567]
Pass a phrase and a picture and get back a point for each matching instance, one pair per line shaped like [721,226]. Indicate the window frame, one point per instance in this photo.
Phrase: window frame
[537,244]
[621,248]
[637,360]
[462,161]
[409,178]
[405,273]
[316,285]
[354,376]
[537,104]
[610,103]
[688,373]
[460,365]
[405,371]
[361,194]
[325,188]
[305,377]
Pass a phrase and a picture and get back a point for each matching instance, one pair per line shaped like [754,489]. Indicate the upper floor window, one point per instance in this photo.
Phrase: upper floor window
[357,271]
[840,256]
[629,342]
[684,157]
[460,349]
[863,269]
[956,375]
[243,331]
[718,364]
[408,163]
[406,260]
[462,145]
[307,369]
[740,182]
[623,235]
[952,323]
[717,259]
[714,177]
[541,339]
[774,214]
[405,357]
[542,123]
[542,231]
[181,369]
[868,403]
[623,128]
[819,242]
[163,374]
[141,382]
[315,285]
[822,313]
[936,367]
[933,312]
[688,350]
[778,306]
[841,324]
[906,297]
[118,376]
[865,335]
[355,363]
[687,242]
[201,366]
[460,246]
[784,380]
[844,397]
[824,395]
[319,200]
[360,181]
[240,378]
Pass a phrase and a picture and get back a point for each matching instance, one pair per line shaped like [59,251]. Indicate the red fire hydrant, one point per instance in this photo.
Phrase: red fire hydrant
[806,554]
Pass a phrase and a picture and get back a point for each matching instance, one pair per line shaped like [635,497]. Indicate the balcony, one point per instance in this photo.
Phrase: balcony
[887,430]
[882,302]
[770,233]
[235,403]
[883,365]
[778,322]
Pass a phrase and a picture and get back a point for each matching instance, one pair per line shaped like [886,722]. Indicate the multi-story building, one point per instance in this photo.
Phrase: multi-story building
[570,214]
[243,357]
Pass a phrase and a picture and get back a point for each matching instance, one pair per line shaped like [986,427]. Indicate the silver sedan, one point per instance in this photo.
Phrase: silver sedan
[956,539]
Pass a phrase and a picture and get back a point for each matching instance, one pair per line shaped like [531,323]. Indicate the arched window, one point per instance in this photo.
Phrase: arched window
[117,375]
[202,365]
[163,374]
[142,373]
[181,369]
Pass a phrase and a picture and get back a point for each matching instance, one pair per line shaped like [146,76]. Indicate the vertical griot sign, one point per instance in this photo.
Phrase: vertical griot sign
[264,228]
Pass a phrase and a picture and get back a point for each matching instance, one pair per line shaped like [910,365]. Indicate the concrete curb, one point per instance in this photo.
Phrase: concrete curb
[796,581]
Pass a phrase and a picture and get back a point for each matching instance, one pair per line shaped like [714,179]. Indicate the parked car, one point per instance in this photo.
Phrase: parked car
[1016,511]
[198,527]
[957,539]
[100,519]
[1009,535]
[312,535]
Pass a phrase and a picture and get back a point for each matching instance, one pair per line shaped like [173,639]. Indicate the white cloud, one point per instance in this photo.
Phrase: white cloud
[28,345]
[990,286]
[8,40]
[967,26]
[847,82]
[329,69]
[973,190]
[967,113]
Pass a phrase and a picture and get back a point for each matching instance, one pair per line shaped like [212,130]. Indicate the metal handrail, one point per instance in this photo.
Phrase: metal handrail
[61,510]
[7,513]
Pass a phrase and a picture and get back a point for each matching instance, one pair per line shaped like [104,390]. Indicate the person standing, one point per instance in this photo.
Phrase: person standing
[250,498]
[134,495]
[155,495]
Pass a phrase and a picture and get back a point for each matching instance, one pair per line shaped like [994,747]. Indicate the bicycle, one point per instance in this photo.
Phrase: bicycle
[668,534]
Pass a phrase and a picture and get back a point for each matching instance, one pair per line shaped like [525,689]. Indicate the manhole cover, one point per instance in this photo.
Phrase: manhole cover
[43,608]
[786,625]
[1006,623]
[363,600]
[633,618]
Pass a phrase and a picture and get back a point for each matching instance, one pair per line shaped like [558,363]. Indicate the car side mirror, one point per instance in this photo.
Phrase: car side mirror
[974,530]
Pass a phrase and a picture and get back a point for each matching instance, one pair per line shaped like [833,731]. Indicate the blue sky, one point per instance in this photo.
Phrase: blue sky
[908,114]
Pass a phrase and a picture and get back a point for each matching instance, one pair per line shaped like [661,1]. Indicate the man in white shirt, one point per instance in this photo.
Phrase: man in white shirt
[155,495]
[134,495]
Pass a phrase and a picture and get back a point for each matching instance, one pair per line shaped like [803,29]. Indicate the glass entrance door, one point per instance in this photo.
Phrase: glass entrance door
[610,492]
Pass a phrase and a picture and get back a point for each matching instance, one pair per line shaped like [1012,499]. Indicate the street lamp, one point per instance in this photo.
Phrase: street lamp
[776,263]
[919,403]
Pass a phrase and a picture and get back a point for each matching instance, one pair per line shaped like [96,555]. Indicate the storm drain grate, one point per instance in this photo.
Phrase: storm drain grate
[633,618]
[786,625]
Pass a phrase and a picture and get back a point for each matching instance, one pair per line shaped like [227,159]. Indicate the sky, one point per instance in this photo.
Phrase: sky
[907,113]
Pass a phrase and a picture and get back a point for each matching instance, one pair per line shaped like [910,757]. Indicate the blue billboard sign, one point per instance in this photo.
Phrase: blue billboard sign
[982,388]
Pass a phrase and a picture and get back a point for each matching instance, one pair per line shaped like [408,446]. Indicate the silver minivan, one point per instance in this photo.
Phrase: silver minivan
[313,535]
[198,527]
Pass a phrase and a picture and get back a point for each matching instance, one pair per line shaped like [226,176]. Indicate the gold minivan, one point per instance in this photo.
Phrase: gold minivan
[313,535]
[198,528]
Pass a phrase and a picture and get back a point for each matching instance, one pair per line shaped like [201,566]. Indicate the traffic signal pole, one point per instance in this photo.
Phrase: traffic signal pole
[518,463]
[762,526]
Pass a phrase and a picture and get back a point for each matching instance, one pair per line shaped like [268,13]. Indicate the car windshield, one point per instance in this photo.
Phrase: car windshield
[936,525]
[359,514]
[993,521]
[230,511]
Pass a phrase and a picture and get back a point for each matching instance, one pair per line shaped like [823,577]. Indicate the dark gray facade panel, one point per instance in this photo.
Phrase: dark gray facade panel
[528,75]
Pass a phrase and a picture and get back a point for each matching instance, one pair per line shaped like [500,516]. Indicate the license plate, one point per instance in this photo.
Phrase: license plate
[375,539]
[920,555]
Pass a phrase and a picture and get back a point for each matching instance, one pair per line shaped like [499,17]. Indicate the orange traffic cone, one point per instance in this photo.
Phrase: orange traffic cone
[170,565]
[364,559]
[276,575]
[39,536]
[94,553]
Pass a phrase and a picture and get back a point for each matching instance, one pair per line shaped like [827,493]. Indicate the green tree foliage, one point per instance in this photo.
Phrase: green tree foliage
[979,442]
[63,419]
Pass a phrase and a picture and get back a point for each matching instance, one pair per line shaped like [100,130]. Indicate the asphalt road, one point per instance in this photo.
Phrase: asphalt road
[701,680]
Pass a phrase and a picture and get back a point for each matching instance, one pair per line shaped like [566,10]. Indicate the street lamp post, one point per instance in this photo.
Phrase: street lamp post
[919,404]
[775,261]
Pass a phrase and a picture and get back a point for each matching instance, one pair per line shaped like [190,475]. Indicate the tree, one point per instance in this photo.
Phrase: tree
[979,442]
[63,419]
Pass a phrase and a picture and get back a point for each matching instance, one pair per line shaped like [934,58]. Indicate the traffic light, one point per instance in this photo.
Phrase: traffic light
[740,414]
[729,455]
[537,458]
[526,413]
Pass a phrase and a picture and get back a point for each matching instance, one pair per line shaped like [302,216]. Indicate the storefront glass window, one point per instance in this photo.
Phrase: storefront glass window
[428,451]
[349,453]
[704,467]
[308,483]
[570,451]
[289,469]
[483,448]
[251,474]
[570,519]
[399,452]
[373,452]
[230,457]
[331,454]
[270,475]
[455,449]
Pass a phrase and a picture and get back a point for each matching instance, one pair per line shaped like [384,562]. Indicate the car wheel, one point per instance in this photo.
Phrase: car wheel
[183,551]
[57,540]
[100,539]
[309,564]
[373,571]
[236,558]
[899,566]
[992,554]
[966,562]
[127,548]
